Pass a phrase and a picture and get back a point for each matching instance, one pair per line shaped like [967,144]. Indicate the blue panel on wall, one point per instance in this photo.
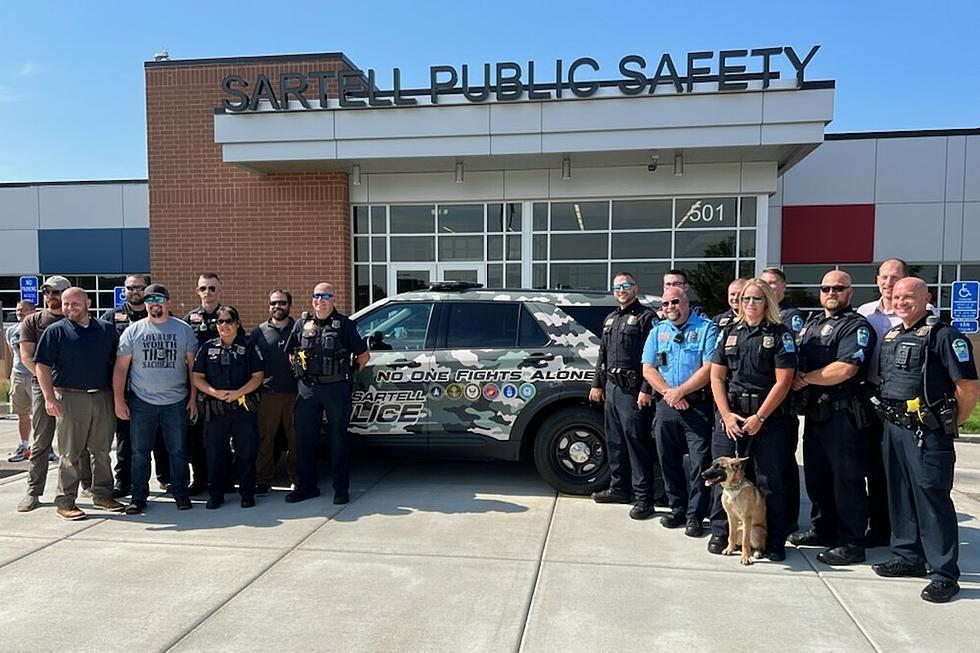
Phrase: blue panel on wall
[86,251]
[136,250]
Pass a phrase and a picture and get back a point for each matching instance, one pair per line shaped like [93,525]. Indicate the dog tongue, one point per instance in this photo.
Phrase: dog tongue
[708,483]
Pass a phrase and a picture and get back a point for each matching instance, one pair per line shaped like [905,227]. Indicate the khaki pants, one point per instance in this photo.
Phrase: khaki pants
[275,408]
[43,437]
[84,429]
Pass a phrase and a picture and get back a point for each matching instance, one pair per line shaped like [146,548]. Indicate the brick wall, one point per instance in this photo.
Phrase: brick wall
[257,231]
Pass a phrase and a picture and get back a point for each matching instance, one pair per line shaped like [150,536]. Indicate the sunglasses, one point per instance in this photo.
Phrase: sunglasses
[228,320]
[155,299]
[626,285]
[322,295]
[672,302]
[50,291]
[828,289]
[207,289]
[752,299]
[135,288]
[278,302]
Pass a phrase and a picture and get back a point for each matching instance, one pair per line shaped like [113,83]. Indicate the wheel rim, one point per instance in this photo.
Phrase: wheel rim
[579,453]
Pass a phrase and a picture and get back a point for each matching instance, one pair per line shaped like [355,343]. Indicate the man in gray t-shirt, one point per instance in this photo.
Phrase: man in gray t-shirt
[157,354]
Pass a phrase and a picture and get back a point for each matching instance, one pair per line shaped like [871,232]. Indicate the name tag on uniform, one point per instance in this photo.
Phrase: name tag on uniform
[214,352]
[891,335]
[610,321]
[122,317]
[195,317]
[731,341]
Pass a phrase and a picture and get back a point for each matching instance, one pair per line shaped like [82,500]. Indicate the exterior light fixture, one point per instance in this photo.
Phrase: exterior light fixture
[678,164]
[459,172]
[355,175]
[566,168]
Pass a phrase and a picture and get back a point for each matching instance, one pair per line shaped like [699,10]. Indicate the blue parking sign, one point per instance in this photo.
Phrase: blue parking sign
[29,289]
[965,326]
[965,300]
[120,295]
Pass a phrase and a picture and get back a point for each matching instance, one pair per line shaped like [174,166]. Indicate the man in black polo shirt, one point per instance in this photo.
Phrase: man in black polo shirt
[74,360]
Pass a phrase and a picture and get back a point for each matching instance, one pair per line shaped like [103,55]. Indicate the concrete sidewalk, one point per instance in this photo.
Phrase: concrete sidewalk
[435,556]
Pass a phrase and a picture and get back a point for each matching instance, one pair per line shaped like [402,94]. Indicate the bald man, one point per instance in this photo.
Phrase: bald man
[928,388]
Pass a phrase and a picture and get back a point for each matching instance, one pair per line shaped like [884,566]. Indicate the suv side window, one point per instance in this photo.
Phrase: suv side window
[396,326]
[531,334]
[477,325]
[591,317]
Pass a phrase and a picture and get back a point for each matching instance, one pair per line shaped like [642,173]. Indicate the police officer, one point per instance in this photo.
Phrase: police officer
[751,374]
[678,279]
[132,310]
[676,360]
[321,347]
[928,388]
[729,316]
[204,323]
[227,372]
[620,385]
[834,349]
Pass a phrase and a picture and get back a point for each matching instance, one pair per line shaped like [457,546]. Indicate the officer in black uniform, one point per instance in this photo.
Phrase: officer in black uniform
[729,316]
[134,309]
[321,347]
[227,373]
[627,398]
[752,370]
[204,323]
[928,388]
[835,348]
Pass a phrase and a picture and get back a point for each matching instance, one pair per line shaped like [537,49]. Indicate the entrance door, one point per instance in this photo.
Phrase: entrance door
[409,277]
[474,272]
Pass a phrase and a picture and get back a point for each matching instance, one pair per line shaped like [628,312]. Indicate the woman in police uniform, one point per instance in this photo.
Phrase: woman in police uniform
[751,374]
[227,372]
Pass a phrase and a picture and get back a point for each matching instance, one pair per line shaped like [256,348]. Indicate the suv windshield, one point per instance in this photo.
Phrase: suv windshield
[396,326]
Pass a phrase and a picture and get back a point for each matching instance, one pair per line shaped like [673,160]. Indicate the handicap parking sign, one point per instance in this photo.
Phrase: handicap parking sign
[120,295]
[965,300]
[29,289]
[965,326]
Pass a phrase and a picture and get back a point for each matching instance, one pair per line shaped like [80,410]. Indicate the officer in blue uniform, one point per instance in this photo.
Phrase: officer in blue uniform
[676,360]
[928,388]
[227,373]
[321,347]
[835,348]
[626,397]
[752,370]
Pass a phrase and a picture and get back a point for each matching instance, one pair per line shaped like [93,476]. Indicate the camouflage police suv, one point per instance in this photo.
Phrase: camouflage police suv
[504,374]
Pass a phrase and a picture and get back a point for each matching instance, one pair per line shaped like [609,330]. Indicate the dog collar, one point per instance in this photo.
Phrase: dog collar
[736,488]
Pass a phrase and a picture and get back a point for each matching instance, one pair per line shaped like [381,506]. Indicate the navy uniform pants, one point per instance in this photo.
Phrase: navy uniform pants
[312,402]
[920,478]
[242,428]
[878,522]
[628,444]
[679,432]
[835,462]
[770,453]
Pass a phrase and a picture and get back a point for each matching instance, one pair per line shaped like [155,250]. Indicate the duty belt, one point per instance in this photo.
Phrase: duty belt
[748,403]
[627,380]
[88,391]
[897,412]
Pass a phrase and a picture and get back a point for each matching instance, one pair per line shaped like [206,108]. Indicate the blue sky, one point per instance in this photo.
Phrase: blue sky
[71,73]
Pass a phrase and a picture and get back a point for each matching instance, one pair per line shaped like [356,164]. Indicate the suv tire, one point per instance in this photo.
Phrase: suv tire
[570,451]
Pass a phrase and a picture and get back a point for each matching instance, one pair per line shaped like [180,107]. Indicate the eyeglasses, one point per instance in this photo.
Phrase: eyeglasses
[225,320]
[672,302]
[135,288]
[278,302]
[155,299]
[626,285]
[207,289]
[752,299]
[50,291]
[828,289]
[322,295]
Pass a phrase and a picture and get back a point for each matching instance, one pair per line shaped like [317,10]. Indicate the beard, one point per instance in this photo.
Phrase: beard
[156,310]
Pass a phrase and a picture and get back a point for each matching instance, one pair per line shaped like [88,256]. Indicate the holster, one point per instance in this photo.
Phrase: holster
[628,381]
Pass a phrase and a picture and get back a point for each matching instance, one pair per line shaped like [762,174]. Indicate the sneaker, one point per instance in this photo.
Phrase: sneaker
[897,567]
[28,503]
[694,528]
[642,509]
[135,508]
[23,453]
[165,487]
[672,521]
[52,458]
[262,490]
[940,590]
[71,513]
[610,495]
[183,503]
[108,503]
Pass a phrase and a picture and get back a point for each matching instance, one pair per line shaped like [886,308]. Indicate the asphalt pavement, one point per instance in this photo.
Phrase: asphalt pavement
[444,556]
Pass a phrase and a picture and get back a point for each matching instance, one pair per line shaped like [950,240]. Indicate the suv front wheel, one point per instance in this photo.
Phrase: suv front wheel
[570,451]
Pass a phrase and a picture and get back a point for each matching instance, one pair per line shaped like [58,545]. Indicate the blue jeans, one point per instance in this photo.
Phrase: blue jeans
[172,420]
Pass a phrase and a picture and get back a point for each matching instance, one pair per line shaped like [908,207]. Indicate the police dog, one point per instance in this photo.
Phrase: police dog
[744,505]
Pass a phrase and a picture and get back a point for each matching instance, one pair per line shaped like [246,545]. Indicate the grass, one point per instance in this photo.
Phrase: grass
[972,422]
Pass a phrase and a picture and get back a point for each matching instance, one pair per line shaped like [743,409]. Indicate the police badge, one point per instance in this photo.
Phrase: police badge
[632,320]
[826,330]
[768,341]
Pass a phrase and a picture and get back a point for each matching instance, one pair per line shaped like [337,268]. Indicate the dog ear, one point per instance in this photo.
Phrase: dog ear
[742,460]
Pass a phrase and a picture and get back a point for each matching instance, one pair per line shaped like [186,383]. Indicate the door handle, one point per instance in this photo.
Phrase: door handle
[403,362]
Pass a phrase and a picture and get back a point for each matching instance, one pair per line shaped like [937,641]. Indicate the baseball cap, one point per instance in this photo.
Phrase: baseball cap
[56,283]
[156,289]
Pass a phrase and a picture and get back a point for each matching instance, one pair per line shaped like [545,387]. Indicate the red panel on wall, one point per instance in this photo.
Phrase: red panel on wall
[840,233]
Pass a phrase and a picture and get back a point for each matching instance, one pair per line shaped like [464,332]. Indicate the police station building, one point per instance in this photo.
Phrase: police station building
[284,171]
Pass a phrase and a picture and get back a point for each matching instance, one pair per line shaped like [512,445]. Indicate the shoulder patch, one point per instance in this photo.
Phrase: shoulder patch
[797,322]
[863,336]
[789,345]
[961,350]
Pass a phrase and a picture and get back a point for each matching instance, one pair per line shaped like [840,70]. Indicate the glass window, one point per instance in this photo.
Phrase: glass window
[461,219]
[863,295]
[360,219]
[578,246]
[540,216]
[476,325]
[949,273]
[504,217]
[579,216]
[495,248]
[580,276]
[514,275]
[495,275]
[539,275]
[704,244]
[591,317]
[362,287]
[413,248]
[861,274]
[379,282]
[804,275]
[746,269]
[967,273]
[641,244]
[378,222]
[361,249]
[396,326]
[707,281]
[749,211]
[926,272]
[746,246]
[650,276]
[803,297]
[642,214]
[697,213]
[530,334]
[461,248]
[379,249]
[513,248]
[539,247]
[412,219]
